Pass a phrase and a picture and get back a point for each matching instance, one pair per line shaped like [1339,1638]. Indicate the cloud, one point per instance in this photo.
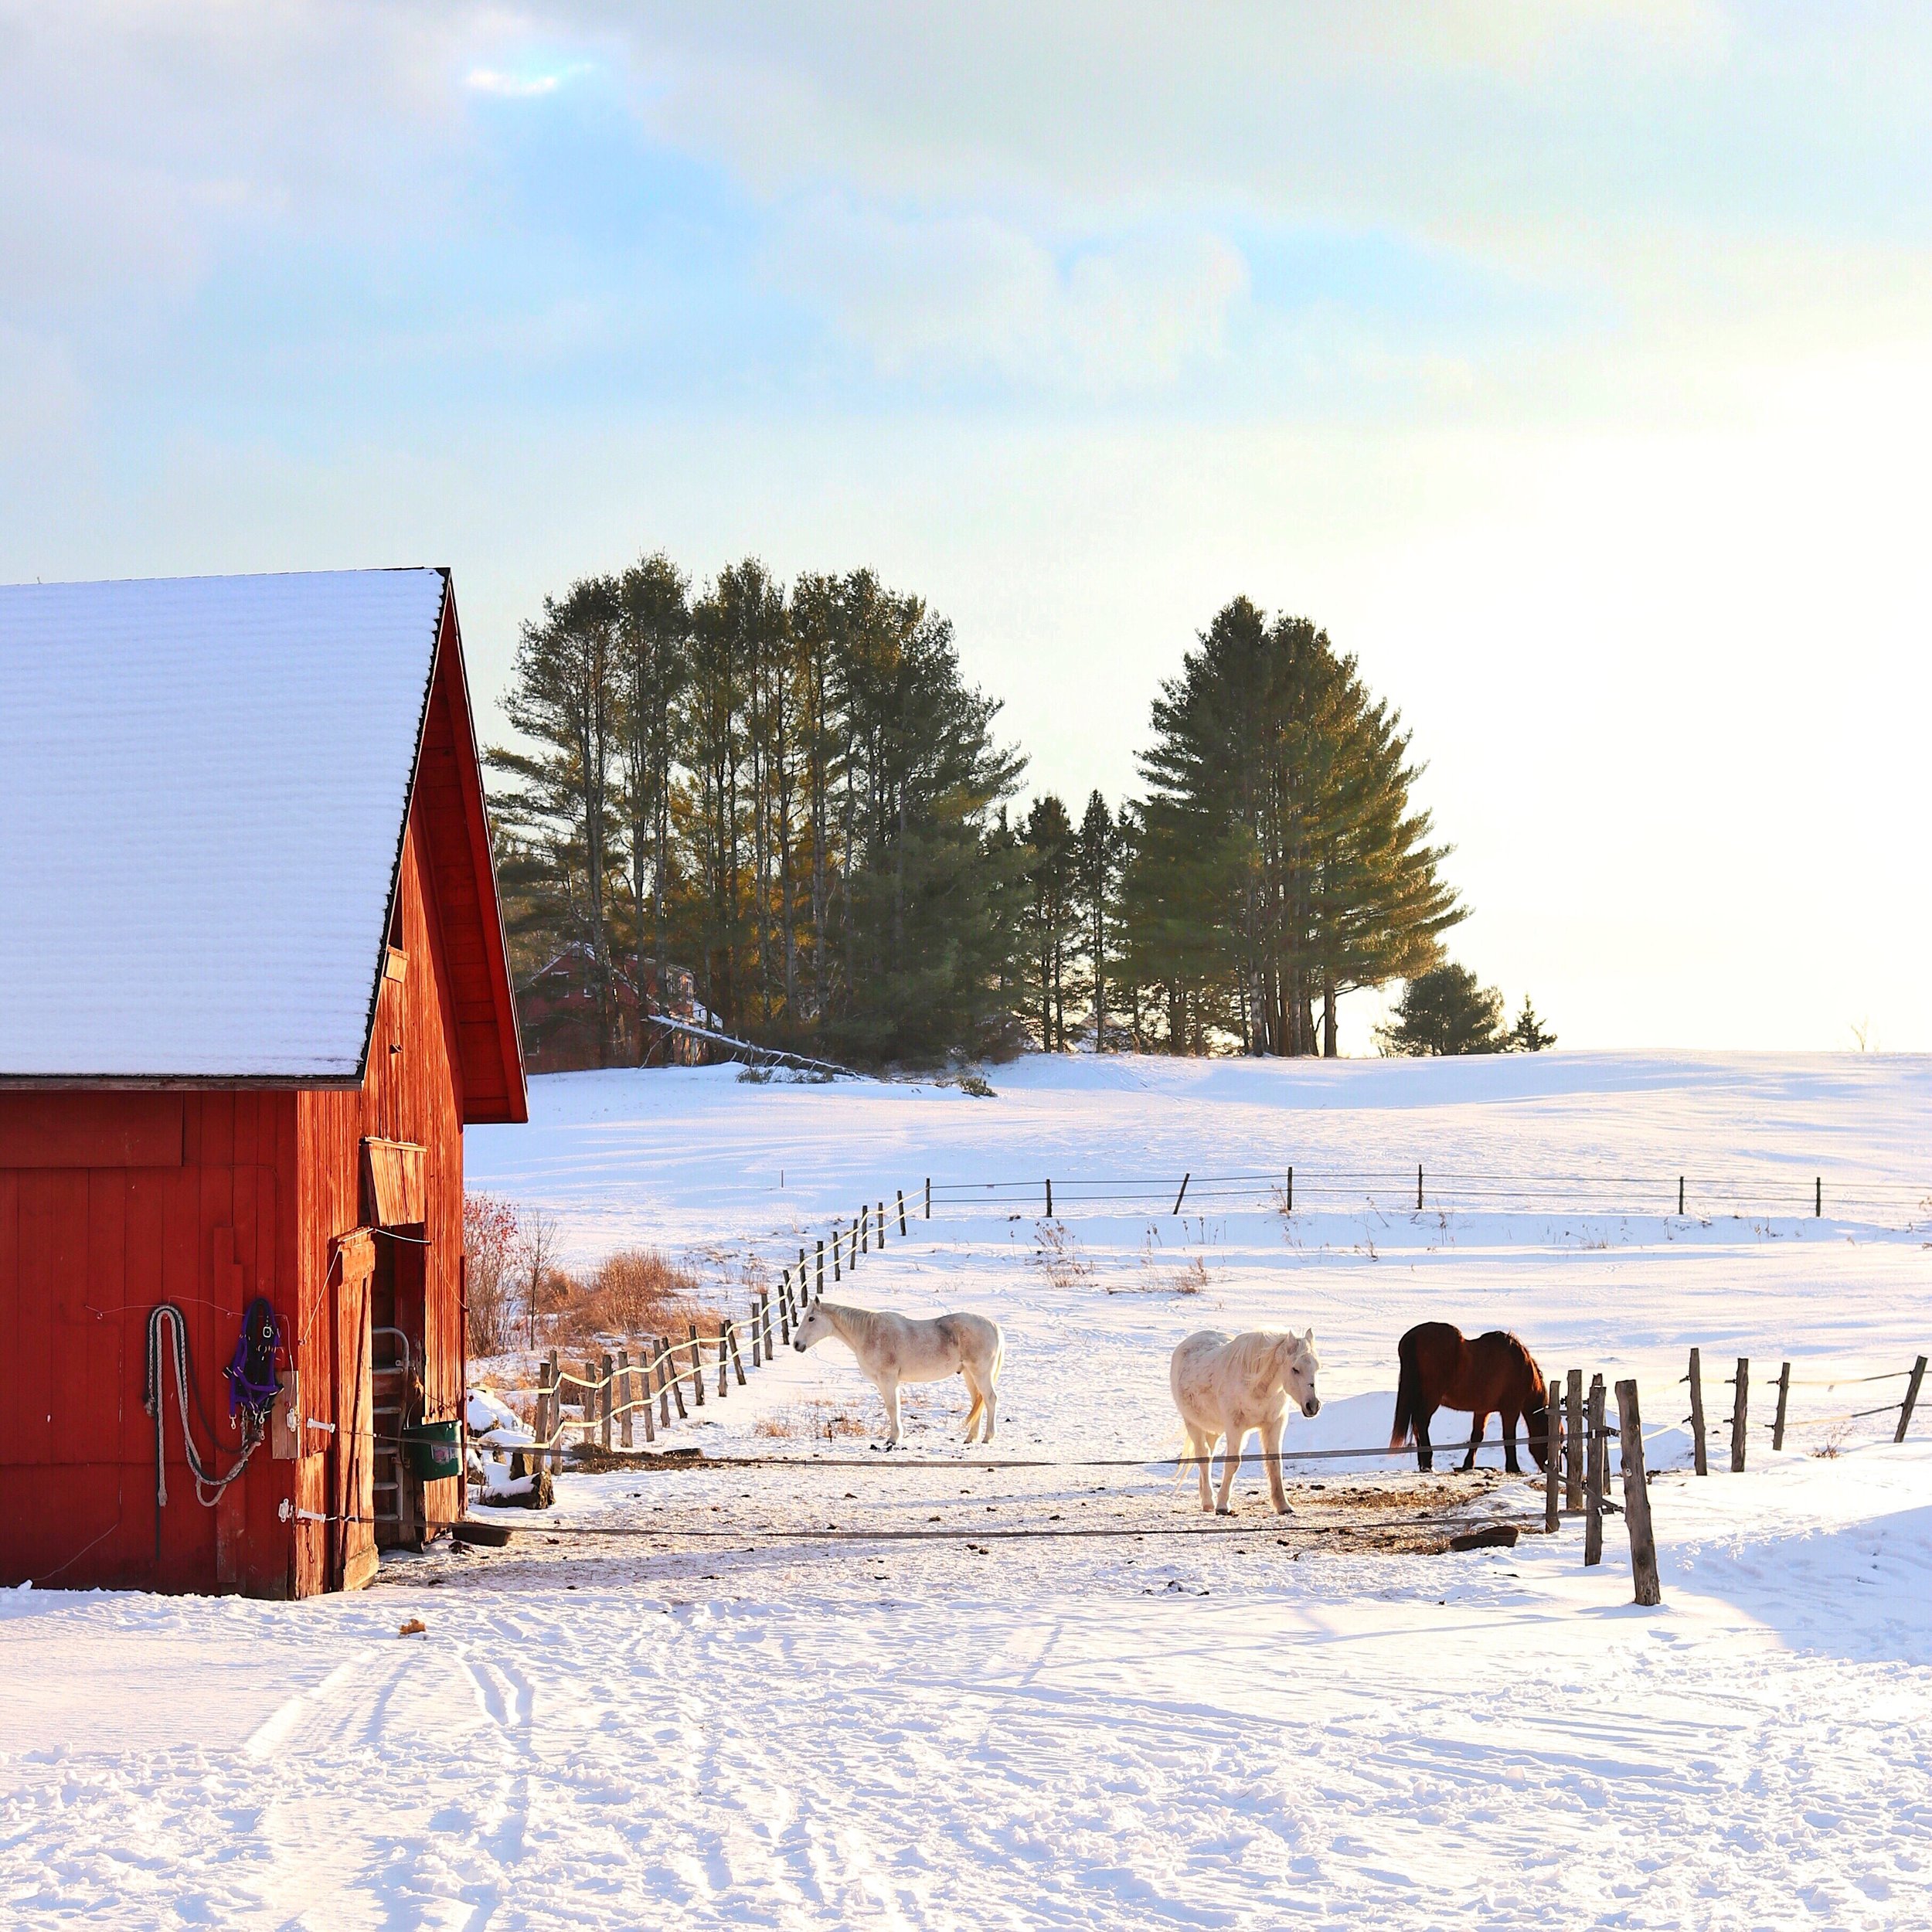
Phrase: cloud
[966,295]
[529,86]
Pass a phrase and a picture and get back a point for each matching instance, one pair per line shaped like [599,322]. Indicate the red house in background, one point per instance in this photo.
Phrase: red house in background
[557,1014]
[253,986]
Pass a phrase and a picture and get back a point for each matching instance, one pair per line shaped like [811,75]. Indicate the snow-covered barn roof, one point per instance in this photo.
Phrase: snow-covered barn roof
[204,787]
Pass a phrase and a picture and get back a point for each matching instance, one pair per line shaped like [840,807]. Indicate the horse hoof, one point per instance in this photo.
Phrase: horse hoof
[1224,1512]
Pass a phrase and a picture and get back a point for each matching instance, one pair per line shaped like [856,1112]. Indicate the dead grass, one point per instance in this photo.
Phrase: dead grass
[1057,1258]
[816,1420]
[636,1292]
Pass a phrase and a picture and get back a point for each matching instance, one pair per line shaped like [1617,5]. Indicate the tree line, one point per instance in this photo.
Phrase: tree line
[795,791]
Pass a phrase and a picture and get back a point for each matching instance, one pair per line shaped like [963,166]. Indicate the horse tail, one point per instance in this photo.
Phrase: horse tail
[1408,1394]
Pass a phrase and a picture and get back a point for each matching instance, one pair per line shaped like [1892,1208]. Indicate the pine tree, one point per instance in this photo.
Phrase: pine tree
[1050,841]
[653,669]
[1528,1035]
[564,697]
[1096,857]
[1281,861]
[1444,1011]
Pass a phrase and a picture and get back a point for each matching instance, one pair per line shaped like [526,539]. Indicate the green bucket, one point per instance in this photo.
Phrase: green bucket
[434,1450]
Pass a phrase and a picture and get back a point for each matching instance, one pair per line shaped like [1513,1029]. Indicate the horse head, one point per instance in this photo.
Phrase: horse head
[1536,1416]
[1297,1364]
[814,1325]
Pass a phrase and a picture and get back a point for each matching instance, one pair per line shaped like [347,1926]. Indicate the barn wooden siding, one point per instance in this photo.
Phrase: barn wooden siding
[112,1201]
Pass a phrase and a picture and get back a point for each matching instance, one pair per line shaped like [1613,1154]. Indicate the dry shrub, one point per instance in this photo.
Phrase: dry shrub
[1056,1257]
[817,1420]
[636,1291]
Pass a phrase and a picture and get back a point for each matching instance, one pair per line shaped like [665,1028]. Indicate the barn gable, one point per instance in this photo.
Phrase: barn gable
[206,785]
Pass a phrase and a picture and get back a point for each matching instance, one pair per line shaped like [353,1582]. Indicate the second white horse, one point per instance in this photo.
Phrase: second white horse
[1225,1385]
[893,1349]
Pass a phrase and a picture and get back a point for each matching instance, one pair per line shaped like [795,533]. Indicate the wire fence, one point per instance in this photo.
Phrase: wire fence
[1290,1189]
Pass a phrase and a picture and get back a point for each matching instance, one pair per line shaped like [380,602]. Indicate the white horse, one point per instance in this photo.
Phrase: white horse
[1225,1385]
[896,1348]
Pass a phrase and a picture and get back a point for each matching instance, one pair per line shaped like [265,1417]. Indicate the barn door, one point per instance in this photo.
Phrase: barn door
[352,1489]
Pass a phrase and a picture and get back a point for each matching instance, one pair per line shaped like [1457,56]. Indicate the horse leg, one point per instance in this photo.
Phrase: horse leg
[989,1404]
[973,1412]
[1425,1449]
[889,1394]
[1200,1447]
[1272,1455]
[1510,1443]
[1230,1461]
[1477,1423]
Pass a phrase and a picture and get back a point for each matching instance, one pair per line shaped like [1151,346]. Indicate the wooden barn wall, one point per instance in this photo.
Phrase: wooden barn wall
[86,1251]
[237,1194]
[413,1092]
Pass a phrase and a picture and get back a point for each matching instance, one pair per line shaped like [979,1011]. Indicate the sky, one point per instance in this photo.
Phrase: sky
[1569,362]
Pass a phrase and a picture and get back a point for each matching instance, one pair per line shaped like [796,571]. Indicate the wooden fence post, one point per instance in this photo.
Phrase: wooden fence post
[737,1360]
[1049,1197]
[1680,1197]
[1784,1398]
[1418,1187]
[697,1367]
[1182,1196]
[929,1197]
[1740,1407]
[1700,1459]
[835,1251]
[882,1227]
[640,1377]
[724,1367]
[1290,1206]
[1818,1198]
[588,1396]
[821,1271]
[606,1399]
[664,1393]
[676,1381]
[543,1427]
[1643,1541]
[805,1284]
[865,1231]
[784,1308]
[556,1414]
[1911,1399]
[899,1194]
[765,1308]
[1598,1460]
[624,1430]
[1553,1450]
[1573,1445]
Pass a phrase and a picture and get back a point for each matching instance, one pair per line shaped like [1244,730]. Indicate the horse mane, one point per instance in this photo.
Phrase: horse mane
[848,1322]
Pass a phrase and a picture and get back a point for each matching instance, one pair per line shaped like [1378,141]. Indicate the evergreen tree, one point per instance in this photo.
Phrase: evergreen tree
[565,698]
[654,668]
[1528,1035]
[1050,865]
[1444,1011]
[1281,861]
[1096,857]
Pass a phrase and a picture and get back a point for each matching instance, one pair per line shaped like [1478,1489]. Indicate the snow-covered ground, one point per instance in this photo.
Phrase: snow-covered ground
[700,1722]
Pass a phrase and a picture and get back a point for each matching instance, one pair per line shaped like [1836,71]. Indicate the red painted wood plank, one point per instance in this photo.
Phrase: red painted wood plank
[90,1129]
[105,1398]
[12,1408]
[145,1246]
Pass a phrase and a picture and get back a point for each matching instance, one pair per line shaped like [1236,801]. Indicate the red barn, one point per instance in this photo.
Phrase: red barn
[253,986]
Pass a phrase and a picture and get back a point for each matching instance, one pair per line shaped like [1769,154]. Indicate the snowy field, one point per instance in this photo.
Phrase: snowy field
[759,1703]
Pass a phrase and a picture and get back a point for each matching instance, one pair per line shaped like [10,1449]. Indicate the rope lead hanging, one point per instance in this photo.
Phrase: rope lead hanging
[208,1489]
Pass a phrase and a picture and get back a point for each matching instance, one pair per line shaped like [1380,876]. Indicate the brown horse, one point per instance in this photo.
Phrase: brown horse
[1441,1369]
